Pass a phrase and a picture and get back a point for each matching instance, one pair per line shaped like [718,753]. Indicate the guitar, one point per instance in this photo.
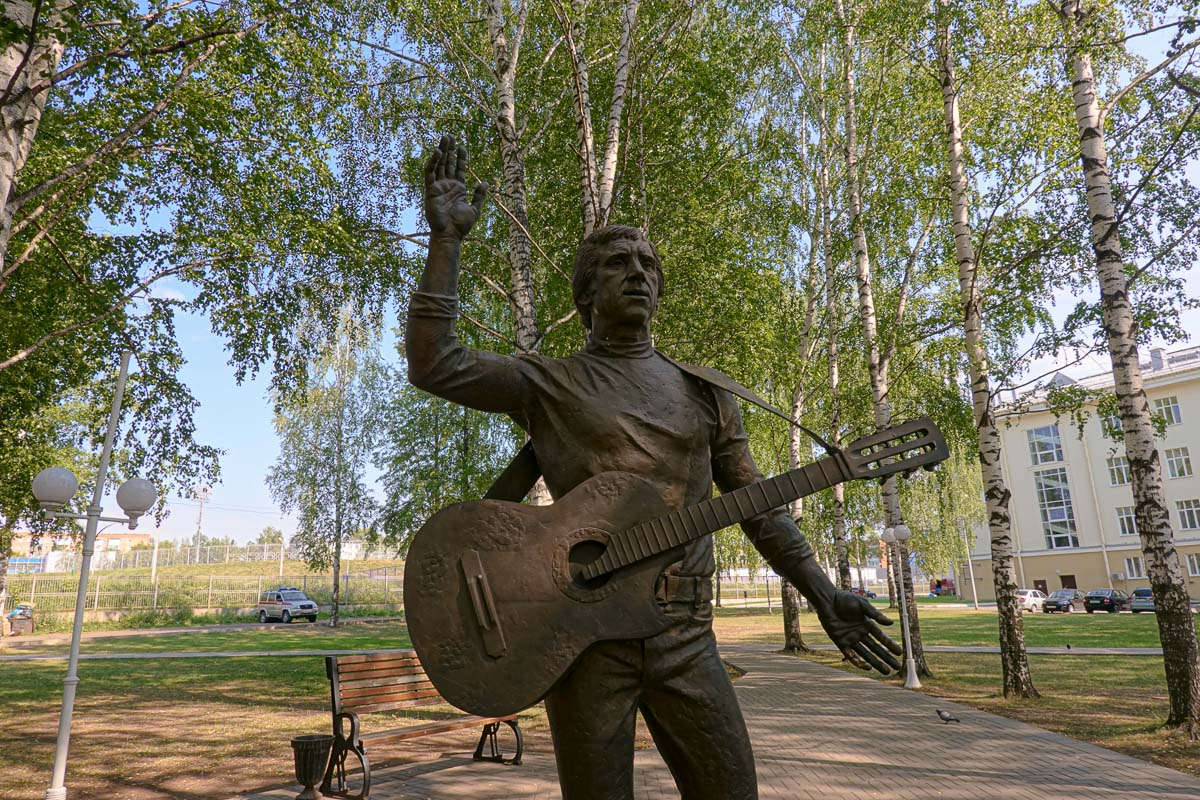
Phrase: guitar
[501,597]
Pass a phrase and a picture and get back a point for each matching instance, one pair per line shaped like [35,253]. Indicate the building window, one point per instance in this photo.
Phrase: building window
[1118,471]
[1134,568]
[1179,463]
[1126,521]
[1189,514]
[1111,426]
[1194,564]
[1044,445]
[1058,517]
[1168,409]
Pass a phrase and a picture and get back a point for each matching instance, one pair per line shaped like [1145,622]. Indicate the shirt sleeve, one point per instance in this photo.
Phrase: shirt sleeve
[440,365]
[774,534]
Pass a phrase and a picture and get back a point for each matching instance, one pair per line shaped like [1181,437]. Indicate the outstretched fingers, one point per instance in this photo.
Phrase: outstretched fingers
[882,637]
[882,654]
[869,656]
[851,654]
[445,156]
[431,169]
[460,168]
[477,199]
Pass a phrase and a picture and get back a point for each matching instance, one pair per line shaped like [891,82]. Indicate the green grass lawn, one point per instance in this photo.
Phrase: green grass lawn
[297,636]
[180,727]
[975,628]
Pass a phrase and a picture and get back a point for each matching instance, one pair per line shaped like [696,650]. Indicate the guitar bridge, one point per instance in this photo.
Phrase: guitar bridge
[483,603]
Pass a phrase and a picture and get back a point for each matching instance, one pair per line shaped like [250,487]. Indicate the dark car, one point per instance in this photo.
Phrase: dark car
[1110,600]
[1065,601]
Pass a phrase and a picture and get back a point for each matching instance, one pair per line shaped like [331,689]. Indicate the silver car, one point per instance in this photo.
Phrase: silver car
[1030,600]
[285,604]
[1141,600]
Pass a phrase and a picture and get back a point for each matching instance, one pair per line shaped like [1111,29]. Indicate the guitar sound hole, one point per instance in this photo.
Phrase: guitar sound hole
[582,554]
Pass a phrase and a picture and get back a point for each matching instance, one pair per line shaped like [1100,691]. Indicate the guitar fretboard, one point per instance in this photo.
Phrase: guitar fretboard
[680,527]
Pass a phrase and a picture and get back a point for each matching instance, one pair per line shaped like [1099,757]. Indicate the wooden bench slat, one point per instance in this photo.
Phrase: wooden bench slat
[367,687]
[428,729]
[383,680]
[367,708]
[375,679]
[378,693]
[390,663]
[375,657]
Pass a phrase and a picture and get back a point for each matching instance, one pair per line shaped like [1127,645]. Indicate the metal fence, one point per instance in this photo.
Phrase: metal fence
[179,555]
[52,594]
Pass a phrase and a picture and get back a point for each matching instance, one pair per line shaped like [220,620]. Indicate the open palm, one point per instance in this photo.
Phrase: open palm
[446,207]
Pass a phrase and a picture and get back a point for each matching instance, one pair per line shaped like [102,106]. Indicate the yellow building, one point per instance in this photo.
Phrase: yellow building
[119,541]
[1072,501]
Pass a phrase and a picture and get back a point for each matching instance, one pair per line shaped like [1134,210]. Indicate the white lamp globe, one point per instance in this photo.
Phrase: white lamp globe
[136,496]
[54,487]
[903,534]
[889,535]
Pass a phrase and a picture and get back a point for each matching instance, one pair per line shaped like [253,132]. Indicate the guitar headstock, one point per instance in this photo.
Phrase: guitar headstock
[899,448]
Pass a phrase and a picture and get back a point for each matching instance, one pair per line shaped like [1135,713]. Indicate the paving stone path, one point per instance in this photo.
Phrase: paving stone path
[823,734]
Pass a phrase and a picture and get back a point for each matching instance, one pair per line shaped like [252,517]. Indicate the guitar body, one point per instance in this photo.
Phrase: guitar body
[495,604]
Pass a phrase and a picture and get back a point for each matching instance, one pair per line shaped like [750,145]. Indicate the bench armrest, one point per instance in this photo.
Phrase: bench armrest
[339,721]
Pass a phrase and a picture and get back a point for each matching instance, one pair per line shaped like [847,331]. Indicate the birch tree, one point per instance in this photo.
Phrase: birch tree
[1181,654]
[327,433]
[1016,677]
[878,359]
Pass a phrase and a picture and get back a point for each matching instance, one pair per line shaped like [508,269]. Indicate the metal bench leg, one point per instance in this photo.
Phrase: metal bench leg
[488,736]
[337,769]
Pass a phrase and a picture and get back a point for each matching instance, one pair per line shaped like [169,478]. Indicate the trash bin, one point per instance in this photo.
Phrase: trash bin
[20,620]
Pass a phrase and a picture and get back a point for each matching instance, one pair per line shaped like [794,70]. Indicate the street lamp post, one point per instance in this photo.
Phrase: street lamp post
[53,487]
[896,535]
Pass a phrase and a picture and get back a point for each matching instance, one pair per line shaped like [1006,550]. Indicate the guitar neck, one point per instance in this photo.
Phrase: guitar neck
[688,524]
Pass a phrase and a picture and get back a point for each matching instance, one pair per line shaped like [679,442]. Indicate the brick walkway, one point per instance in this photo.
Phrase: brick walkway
[827,735]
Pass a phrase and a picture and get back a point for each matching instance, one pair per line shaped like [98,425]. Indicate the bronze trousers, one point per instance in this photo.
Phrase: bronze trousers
[677,681]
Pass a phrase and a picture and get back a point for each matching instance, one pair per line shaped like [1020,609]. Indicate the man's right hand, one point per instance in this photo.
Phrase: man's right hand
[446,207]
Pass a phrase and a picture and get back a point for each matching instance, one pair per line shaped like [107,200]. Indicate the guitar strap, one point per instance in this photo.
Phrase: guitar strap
[523,471]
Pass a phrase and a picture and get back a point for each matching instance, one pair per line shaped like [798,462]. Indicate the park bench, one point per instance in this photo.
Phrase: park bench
[363,684]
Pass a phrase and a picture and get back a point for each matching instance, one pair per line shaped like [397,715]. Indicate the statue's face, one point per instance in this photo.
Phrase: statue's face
[626,284]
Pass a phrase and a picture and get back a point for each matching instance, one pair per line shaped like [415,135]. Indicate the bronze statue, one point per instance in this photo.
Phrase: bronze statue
[625,434]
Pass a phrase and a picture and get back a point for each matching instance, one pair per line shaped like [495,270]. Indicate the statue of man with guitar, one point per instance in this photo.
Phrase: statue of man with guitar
[600,603]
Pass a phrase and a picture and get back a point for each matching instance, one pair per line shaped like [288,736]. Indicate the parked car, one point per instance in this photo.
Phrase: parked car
[1110,600]
[1141,600]
[285,604]
[1064,600]
[1031,599]
[864,593]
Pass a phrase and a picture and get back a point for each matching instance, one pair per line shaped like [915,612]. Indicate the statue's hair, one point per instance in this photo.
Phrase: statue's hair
[583,274]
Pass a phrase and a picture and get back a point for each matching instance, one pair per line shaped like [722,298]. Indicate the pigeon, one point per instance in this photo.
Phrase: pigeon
[946,717]
[1068,645]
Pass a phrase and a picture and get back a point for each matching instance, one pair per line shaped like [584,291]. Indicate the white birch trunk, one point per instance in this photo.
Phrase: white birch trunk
[597,175]
[26,70]
[876,366]
[1181,654]
[514,194]
[1014,660]
[832,313]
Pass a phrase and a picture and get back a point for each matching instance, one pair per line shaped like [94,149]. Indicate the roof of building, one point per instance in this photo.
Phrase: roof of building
[1161,364]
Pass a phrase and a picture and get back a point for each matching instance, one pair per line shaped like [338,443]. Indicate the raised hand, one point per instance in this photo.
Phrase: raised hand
[446,207]
[853,625]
